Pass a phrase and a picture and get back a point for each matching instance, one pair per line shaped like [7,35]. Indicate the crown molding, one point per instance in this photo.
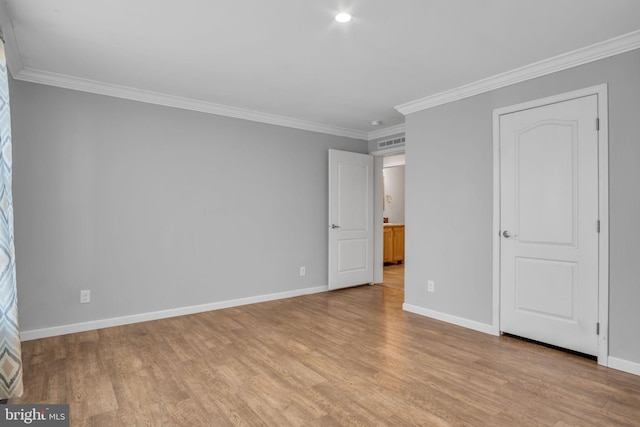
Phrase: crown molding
[150,97]
[12,51]
[605,49]
[382,133]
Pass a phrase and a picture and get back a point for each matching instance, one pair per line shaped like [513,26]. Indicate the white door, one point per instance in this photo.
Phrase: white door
[549,224]
[350,219]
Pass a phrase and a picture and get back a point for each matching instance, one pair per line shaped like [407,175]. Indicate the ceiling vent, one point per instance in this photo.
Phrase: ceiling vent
[391,142]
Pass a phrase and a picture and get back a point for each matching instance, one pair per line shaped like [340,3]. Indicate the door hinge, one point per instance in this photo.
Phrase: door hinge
[598,226]
[597,123]
[598,328]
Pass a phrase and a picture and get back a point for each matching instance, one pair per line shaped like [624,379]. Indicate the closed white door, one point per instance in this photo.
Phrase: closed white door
[549,224]
[350,219]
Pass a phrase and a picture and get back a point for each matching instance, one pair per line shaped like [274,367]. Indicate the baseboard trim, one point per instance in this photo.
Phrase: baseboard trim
[162,314]
[612,362]
[624,365]
[459,321]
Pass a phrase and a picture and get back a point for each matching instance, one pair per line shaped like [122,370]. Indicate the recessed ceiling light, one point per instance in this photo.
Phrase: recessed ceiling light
[376,122]
[343,17]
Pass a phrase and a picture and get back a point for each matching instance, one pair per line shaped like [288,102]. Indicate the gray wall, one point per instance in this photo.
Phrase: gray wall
[153,208]
[394,187]
[449,197]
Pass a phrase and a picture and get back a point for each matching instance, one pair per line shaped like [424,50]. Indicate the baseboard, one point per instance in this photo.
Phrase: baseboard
[459,321]
[624,365]
[163,314]
[612,362]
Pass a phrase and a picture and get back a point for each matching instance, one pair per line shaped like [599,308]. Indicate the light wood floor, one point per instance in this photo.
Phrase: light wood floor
[393,276]
[350,357]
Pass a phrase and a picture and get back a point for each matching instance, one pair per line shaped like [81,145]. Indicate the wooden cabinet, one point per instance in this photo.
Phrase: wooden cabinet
[398,243]
[393,243]
[388,244]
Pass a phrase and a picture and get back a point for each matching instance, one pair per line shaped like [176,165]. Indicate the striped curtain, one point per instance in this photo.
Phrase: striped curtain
[10,353]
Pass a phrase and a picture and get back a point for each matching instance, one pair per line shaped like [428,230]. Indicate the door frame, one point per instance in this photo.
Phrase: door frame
[378,214]
[603,206]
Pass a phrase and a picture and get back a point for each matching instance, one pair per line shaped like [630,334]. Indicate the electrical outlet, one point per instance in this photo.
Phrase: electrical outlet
[85,296]
[303,271]
[431,286]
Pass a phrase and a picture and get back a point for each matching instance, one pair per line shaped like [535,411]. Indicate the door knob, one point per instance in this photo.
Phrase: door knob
[508,235]
[335,226]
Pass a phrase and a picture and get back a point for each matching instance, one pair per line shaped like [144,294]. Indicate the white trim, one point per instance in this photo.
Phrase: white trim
[157,98]
[605,49]
[163,314]
[603,214]
[382,133]
[624,365]
[398,149]
[603,197]
[378,222]
[495,311]
[458,321]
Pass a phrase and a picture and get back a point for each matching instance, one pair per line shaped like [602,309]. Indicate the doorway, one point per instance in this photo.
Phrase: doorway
[550,203]
[393,212]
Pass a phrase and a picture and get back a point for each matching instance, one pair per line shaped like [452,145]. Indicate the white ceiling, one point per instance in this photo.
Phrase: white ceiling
[288,59]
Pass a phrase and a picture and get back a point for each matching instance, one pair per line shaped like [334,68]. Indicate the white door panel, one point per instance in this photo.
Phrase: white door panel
[537,279]
[350,219]
[546,177]
[549,212]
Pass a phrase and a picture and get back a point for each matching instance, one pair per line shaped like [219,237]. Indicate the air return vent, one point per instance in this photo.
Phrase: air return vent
[391,142]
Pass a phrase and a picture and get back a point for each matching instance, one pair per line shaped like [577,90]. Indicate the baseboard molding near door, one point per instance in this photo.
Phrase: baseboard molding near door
[459,321]
[162,314]
[612,362]
[624,365]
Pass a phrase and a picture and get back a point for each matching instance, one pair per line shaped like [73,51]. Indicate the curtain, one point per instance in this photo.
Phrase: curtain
[10,353]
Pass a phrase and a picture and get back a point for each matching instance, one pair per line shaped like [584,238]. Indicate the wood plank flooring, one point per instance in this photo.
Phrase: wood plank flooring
[349,357]
[393,276]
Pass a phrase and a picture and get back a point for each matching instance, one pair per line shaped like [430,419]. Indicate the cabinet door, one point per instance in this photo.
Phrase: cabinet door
[388,244]
[398,243]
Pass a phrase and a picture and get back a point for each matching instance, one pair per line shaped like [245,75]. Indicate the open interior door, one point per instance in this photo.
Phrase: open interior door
[350,219]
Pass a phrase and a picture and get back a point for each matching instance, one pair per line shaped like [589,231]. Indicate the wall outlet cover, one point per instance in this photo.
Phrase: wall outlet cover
[85,296]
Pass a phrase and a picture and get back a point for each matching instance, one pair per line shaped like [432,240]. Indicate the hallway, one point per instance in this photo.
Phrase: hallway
[393,276]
